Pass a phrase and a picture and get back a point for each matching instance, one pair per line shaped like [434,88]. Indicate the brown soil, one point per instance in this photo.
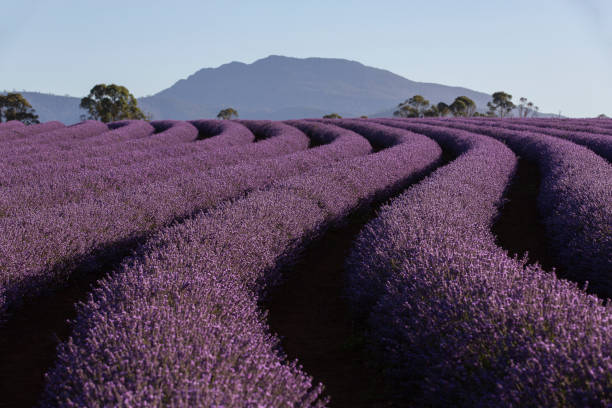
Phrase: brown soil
[28,343]
[518,228]
[309,310]
[28,340]
[311,314]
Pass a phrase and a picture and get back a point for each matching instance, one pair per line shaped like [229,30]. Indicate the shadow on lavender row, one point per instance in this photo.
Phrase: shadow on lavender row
[518,227]
[310,313]
[29,338]
[33,331]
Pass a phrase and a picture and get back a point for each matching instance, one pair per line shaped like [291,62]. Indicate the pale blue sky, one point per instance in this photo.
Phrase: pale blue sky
[558,53]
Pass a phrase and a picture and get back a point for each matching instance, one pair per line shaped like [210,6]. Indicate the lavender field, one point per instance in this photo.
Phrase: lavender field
[343,263]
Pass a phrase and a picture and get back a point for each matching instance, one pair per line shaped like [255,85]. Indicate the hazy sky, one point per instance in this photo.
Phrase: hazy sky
[558,53]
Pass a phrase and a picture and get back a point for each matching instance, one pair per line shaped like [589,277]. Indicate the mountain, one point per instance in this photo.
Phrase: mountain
[276,88]
[55,107]
[279,87]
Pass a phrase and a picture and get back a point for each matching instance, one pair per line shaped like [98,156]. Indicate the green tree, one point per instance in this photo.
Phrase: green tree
[501,105]
[419,103]
[443,109]
[405,111]
[439,110]
[414,107]
[108,103]
[462,106]
[526,108]
[432,112]
[332,116]
[227,113]
[13,106]
[364,116]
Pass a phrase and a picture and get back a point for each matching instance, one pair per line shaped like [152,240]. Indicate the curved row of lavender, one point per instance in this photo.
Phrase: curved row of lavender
[66,185]
[40,250]
[602,127]
[158,139]
[179,324]
[576,125]
[599,143]
[75,132]
[139,137]
[382,135]
[11,124]
[599,125]
[172,138]
[457,321]
[232,132]
[13,132]
[118,132]
[574,201]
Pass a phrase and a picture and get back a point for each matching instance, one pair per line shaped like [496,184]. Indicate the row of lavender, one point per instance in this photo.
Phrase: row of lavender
[14,130]
[93,182]
[595,138]
[206,260]
[574,201]
[86,169]
[603,126]
[179,325]
[457,321]
[42,246]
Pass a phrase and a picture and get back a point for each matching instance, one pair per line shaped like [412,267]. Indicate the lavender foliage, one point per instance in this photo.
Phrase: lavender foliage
[576,214]
[220,209]
[30,191]
[15,132]
[52,133]
[600,143]
[575,201]
[179,325]
[11,124]
[589,126]
[40,249]
[457,321]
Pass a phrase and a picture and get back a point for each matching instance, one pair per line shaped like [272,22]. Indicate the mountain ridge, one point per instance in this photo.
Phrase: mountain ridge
[275,87]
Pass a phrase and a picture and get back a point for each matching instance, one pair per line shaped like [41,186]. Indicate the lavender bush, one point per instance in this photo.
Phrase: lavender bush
[40,249]
[11,124]
[217,211]
[603,126]
[589,126]
[58,133]
[600,143]
[192,292]
[222,133]
[141,145]
[575,200]
[458,322]
[33,190]
[13,132]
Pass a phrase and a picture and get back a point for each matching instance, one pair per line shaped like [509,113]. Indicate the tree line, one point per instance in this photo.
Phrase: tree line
[108,103]
[501,106]
[13,106]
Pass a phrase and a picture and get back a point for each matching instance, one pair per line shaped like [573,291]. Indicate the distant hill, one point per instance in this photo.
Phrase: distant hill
[279,87]
[55,107]
[276,88]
